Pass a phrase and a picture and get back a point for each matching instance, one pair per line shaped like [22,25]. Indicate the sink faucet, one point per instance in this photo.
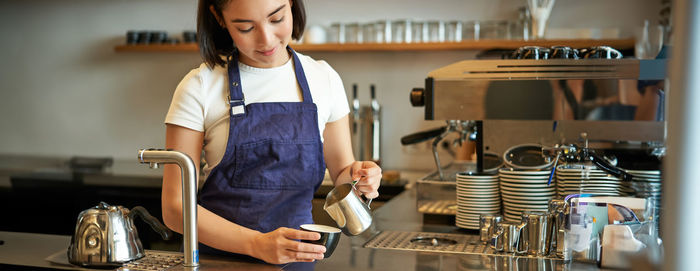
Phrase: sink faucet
[189,194]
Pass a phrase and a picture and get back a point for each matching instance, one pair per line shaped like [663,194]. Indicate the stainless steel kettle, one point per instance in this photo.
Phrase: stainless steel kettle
[105,236]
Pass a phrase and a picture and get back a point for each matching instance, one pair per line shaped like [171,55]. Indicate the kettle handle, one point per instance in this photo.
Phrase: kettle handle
[151,221]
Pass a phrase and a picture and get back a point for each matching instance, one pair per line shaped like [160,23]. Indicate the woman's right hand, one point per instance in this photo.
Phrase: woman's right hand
[280,246]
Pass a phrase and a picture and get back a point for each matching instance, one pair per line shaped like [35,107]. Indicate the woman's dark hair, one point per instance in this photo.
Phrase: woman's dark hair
[215,40]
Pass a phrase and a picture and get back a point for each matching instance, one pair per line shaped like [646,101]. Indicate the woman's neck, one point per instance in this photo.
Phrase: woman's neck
[282,57]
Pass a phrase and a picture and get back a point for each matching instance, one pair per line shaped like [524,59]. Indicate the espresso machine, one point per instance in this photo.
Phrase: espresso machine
[545,96]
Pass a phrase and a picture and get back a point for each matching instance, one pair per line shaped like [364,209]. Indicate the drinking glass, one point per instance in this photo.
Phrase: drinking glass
[494,30]
[453,31]
[471,30]
[518,30]
[436,31]
[352,31]
[382,31]
[401,31]
[368,33]
[336,34]
[417,31]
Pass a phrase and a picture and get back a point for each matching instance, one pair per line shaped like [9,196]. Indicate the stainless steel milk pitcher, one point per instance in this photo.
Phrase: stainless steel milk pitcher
[347,209]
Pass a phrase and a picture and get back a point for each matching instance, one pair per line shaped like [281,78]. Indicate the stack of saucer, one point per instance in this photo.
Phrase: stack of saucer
[525,190]
[476,195]
[587,179]
[646,184]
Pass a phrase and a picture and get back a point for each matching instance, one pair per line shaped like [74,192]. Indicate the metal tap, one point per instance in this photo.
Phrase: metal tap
[375,125]
[188,171]
[355,110]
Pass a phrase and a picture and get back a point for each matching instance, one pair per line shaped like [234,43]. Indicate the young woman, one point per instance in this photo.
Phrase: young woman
[268,121]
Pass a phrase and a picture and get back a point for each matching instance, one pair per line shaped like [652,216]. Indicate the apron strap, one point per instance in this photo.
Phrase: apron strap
[236,99]
[301,78]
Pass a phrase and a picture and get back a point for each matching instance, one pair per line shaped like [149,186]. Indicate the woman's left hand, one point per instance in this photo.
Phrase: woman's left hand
[368,176]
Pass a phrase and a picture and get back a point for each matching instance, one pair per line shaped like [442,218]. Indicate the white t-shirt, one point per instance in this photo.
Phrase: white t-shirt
[200,100]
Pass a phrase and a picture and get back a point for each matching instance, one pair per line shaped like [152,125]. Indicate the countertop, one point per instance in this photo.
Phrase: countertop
[25,249]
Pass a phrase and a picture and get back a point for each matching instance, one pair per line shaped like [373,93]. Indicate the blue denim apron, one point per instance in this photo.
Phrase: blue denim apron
[273,161]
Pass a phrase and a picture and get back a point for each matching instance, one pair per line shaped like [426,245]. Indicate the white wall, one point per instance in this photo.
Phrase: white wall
[64,91]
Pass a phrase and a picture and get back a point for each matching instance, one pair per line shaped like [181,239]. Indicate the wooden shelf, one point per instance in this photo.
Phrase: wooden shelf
[621,44]
[180,47]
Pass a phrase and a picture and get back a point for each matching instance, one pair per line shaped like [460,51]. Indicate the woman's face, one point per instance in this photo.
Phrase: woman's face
[260,29]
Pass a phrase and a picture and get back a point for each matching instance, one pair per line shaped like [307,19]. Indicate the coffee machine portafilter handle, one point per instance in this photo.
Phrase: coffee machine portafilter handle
[607,167]
[422,136]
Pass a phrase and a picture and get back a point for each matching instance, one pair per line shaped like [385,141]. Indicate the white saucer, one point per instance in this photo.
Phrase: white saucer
[478,211]
[477,190]
[522,172]
[525,181]
[478,186]
[509,177]
[529,198]
[466,176]
[481,201]
[509,190]
[478,197]
[486,204]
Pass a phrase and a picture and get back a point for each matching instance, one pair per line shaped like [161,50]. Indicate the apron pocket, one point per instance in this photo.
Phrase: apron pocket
[278,164]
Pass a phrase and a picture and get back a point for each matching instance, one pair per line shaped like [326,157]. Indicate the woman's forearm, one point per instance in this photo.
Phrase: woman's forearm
[343,176]
[214,231]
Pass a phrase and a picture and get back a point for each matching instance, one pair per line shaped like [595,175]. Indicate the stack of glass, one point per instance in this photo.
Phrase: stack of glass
[427,31]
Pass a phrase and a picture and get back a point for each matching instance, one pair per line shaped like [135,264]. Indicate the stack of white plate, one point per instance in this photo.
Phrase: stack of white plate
[646,184]
[587,179]
[476,195]
[525,190]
